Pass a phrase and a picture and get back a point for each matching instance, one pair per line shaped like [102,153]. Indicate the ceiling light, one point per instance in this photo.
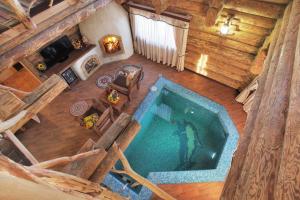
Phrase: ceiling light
[224,29]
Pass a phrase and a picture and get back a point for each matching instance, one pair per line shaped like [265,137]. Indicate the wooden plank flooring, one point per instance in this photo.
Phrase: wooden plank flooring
[59,134]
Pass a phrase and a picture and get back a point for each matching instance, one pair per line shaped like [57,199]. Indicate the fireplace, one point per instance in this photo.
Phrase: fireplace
[111,45]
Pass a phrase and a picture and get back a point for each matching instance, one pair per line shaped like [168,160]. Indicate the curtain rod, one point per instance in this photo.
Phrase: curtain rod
[186,18]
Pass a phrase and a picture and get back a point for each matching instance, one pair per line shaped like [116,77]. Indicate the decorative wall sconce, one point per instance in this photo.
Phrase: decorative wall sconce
[227,28]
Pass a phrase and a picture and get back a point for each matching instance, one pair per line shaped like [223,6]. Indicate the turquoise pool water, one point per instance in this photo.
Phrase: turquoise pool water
[176,135]
[184,138]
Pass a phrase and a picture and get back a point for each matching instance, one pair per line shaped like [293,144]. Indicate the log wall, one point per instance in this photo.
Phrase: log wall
[230,57]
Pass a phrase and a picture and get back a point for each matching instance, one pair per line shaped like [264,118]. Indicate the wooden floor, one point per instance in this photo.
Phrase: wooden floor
[59,134]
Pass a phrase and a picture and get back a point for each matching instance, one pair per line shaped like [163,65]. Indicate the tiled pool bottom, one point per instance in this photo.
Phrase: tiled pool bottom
[179,174]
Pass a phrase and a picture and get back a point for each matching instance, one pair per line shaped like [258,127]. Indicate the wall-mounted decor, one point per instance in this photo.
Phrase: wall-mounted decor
[111,45]
[70,76]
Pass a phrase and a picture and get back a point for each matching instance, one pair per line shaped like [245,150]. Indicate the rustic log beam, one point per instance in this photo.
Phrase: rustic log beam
[40,98]
[161,5]
[111,158]
[5,125]
[86,167]
[263,139]
[143,181]
[213,12]
[21,147]
[62,185]
[12,35]
[259,8]
[68,159]
[32,45]
[258,63]
[20,13]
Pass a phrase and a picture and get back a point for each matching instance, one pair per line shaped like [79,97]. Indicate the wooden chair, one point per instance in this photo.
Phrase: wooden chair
[105,113]
[125,86]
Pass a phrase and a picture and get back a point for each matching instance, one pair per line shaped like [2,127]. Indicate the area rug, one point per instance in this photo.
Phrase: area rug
[103,81]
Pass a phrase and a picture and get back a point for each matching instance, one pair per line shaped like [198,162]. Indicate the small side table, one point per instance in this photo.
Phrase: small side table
[118,107]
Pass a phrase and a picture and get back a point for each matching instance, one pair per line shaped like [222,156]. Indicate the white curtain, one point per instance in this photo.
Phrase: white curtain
[159,38]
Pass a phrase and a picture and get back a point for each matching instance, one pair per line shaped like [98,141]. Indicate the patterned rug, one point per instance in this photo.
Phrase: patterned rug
[79,108]
[103,81]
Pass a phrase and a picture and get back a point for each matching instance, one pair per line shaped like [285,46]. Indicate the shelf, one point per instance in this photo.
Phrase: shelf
[73,57]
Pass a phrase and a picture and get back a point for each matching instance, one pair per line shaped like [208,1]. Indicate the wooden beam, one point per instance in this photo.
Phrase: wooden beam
[161,5]
[21,147]
[40,98]
[143,181]
[271,132]
[68,159]
[59,183]
[213,12]
[28,190]
[32,45]
[111,158]
[20,13]
[86,167]
[20,30]
[258,63]
[259,8]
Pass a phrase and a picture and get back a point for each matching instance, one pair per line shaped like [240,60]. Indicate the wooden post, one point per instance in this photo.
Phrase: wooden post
[20,13]
[266,164]
[20,146]
[213,12]
[161,5]
[111,158]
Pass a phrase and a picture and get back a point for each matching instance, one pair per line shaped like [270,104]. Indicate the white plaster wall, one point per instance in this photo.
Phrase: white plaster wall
[112,19]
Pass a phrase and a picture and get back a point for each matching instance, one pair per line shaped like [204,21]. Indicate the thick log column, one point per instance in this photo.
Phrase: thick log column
[267,161]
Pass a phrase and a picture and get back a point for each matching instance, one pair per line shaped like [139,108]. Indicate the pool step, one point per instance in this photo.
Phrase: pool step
[164,111]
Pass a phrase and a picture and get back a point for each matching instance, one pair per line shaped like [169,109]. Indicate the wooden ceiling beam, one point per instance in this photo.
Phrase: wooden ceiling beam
[284,2]
[35,43]
[21,14]
[252,19]
[19,30]
[213,12]
[161,5]
[259,8]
